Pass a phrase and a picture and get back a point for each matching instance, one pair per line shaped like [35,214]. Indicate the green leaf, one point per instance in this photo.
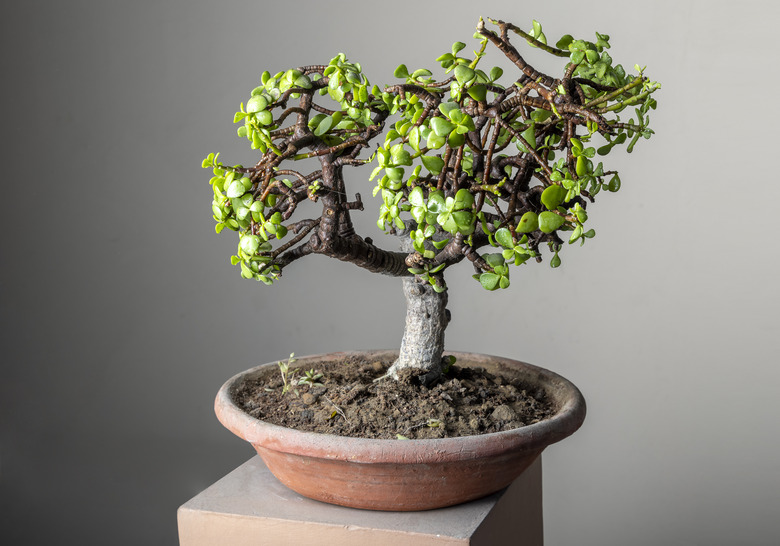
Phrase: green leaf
[456,139]
[604,150]
[521,258]
[494,260]
[528,223]
[250,244]
[400,156]
[630,147]
[564,42]
[336,94]
[441,127]
[540,114]
[583,165]
[495,73]
[324,126]
[504,238]
[549,221]
[489,281]
[464,199]
[416,197]
[435,142]
[466,122]
[401,72]
[265,117]
[463,73]
[256,104]
[242,213]
[414,138]
[556,261]
[465,221]
[395,173]
[447,222]
[235,189]
[438,268]
[575,234]
[537,29]
[553,196]
[529,135]
[436,201]
[457,46]
[478,92]
[447,108]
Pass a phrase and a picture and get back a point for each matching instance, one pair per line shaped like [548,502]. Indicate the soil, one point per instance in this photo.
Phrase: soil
[348,402]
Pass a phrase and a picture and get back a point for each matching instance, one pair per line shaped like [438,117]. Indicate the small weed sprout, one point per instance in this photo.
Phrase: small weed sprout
[289,379]
[446,363]
[311,378]
[288,376]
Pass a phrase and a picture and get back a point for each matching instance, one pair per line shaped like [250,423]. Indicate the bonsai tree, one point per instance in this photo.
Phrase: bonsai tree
[469,166]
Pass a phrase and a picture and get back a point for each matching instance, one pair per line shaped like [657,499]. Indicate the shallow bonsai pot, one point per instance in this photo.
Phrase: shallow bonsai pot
[404,475]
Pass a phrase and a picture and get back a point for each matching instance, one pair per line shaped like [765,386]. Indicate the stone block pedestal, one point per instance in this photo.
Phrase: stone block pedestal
[249,507]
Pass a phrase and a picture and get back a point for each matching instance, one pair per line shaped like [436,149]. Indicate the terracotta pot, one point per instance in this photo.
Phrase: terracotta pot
[404,475]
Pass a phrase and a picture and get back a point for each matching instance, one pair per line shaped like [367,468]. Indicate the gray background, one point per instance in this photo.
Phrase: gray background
[121,315]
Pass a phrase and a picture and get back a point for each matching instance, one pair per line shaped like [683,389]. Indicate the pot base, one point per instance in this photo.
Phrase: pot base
[392,486]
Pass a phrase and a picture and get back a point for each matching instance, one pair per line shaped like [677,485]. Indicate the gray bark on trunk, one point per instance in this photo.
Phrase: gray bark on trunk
[423,340]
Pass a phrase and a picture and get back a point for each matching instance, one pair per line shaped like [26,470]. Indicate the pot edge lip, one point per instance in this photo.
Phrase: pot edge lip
[534,437]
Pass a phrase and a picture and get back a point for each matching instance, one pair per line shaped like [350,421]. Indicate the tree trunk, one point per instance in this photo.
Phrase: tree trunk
[423,341]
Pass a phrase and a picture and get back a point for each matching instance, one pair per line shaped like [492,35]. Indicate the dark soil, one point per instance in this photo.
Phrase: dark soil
[465,402]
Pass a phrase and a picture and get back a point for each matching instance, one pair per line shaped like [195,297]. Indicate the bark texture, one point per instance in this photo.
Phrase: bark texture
[423,340]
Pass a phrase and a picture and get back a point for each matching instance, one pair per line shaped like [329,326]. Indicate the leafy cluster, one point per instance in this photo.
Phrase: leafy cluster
[470,161]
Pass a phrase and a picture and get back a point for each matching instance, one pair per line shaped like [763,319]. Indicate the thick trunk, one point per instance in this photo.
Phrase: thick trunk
[423,341]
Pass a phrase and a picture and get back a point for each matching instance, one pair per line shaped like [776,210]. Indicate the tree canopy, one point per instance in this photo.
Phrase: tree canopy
[470,164]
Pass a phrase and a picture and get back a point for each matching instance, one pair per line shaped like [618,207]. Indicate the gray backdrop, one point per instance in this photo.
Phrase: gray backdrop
[121,315]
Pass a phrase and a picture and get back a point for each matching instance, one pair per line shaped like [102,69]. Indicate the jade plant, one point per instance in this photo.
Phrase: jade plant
[468,164]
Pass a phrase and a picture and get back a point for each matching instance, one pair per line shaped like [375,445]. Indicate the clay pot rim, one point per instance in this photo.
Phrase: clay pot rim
[535,437]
